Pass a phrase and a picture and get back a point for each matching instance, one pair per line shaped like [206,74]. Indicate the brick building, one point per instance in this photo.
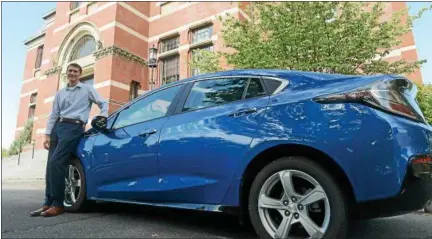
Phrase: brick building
[111,41]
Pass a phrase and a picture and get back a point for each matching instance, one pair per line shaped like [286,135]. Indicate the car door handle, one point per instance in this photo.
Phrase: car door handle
[147,132]
[243,111]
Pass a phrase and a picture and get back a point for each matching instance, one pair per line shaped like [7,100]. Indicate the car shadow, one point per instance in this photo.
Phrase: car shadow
[218,224]
[214,223]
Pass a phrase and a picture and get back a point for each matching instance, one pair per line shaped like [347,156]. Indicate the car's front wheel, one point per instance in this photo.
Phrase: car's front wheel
[75,188]
[293,197]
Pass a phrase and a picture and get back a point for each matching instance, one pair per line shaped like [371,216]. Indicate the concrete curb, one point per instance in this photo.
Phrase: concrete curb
[22,179]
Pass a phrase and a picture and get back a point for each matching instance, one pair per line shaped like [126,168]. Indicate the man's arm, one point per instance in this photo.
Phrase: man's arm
[55,113]
[101,102]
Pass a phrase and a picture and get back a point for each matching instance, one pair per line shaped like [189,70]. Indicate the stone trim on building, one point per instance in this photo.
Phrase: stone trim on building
[53,70]
[115,50]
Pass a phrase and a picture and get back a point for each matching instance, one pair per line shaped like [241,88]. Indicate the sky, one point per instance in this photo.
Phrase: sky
[15,31]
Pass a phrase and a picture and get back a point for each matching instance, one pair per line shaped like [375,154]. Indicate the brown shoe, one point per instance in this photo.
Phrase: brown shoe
[39,211]
[52,212]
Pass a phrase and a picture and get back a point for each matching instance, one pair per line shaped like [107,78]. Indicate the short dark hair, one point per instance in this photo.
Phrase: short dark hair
[76,65]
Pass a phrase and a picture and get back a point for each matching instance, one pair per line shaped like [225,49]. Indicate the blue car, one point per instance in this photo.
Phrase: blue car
[295,154]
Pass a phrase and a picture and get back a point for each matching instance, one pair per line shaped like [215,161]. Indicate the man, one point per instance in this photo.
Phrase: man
[65,127]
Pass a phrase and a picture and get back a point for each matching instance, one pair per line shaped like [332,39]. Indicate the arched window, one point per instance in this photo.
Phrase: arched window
[84,47]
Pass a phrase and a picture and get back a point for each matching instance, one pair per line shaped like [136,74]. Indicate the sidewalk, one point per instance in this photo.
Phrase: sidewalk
[28,169]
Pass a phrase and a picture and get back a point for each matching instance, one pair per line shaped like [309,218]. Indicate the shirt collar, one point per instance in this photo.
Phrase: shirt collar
[79,85]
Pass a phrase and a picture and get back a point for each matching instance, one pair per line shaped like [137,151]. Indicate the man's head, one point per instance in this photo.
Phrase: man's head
[74,73]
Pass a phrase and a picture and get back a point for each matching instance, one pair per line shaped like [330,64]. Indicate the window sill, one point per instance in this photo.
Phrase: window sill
[201,43]
[169,53]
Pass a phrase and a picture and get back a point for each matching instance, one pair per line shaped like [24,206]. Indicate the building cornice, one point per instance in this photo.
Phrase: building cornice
[115,50]
[53,70]
[34,38]
[50,13]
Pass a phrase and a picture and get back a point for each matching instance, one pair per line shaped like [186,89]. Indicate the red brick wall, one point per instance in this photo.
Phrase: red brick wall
[143,7]
[125,70]
[187,15]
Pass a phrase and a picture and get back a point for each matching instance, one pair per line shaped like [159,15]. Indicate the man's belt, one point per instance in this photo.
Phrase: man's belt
[70,121]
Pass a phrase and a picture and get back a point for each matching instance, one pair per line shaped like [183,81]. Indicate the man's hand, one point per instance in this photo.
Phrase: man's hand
[47,142]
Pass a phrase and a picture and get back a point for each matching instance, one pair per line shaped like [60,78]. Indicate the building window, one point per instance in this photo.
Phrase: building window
[89,80]
[169,69]
[36,73]
[202,34]
[32,110]
[169,44]
[85,46]
[195,56]
[33,98]
[39,55]
[134,87]
[75,5]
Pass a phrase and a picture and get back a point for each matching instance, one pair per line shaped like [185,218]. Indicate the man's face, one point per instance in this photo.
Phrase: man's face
[73,74]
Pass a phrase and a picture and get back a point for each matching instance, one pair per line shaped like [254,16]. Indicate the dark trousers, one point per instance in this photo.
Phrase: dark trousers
[64,140]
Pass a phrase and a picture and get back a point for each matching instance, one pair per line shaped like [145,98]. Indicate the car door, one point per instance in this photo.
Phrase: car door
[125,158]
[203,142]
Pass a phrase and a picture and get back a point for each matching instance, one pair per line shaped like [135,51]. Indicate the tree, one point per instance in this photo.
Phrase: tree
[4,153]
[205,61]
[424,98]
[334,37]
[23,139]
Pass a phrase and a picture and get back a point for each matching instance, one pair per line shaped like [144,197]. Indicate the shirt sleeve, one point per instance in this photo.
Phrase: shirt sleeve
[97,99]
[55,113]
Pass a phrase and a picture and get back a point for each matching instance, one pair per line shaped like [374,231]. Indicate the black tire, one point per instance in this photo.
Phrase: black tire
[428,206]
[338,225]
[81,204]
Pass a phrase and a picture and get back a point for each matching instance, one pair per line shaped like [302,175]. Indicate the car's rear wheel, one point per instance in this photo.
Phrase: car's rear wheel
[75,188]
[294,197]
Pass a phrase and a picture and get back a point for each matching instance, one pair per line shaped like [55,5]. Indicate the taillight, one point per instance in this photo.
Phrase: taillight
[421,160]
[421,166]
[396,96]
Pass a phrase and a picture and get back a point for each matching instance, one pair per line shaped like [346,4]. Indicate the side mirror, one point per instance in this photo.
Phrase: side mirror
[99,123]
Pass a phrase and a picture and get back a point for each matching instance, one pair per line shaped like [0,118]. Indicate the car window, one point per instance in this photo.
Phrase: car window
[255,89]
[151,107]
[272,85]
[209,93]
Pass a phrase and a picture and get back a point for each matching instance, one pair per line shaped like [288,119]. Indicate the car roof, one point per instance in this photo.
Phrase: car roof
[285,74]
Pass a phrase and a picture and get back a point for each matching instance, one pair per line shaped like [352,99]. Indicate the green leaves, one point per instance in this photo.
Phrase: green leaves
[205,61]
[347,38]
[23,139]
[424,98]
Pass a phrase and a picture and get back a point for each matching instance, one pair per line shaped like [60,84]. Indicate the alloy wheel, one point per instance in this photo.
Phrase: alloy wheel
[292,204]
[72,186]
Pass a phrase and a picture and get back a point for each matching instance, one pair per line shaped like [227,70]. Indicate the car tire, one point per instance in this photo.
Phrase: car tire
[428,207]
[80,203]
[337,217]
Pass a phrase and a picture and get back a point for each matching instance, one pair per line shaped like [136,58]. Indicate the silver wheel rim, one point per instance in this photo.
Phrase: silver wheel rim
[287,213]
[72,186]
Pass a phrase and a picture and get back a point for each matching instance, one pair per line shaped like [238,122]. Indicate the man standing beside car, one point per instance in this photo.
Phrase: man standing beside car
[65,127]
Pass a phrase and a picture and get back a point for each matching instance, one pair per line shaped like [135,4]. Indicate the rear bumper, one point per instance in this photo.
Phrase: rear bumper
[415,193]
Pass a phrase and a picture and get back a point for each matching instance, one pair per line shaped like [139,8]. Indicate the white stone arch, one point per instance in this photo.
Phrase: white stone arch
[87,63]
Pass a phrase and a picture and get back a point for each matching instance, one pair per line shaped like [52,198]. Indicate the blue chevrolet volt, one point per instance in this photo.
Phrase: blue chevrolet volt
[295,154]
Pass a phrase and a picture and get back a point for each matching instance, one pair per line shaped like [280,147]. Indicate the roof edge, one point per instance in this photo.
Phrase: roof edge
[50,13]
[33,38]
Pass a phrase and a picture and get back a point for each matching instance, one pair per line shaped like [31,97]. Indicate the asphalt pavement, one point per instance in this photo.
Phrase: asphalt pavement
[114,220]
